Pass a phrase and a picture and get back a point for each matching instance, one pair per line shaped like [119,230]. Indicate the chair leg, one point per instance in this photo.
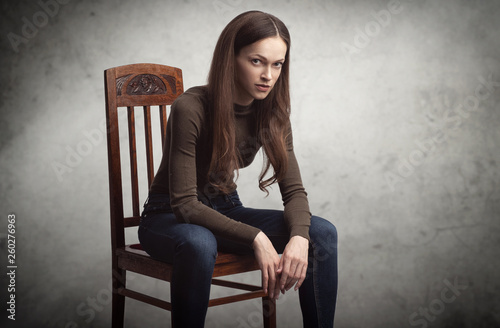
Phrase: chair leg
[118,310]
[118,301]
[269,312]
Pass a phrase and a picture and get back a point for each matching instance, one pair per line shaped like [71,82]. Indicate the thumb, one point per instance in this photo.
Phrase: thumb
[280,267]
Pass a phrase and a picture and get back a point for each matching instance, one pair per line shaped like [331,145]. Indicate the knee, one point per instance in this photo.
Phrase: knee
[323,234]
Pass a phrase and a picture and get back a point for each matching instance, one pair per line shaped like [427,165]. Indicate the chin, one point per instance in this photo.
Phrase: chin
[261,96]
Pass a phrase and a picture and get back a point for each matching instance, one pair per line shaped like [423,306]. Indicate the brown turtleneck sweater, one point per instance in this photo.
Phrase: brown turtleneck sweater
[186,159]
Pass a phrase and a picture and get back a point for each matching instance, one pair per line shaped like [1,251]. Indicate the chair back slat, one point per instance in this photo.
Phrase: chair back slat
[149,144]
[163,124]
[126,87]
[133,160]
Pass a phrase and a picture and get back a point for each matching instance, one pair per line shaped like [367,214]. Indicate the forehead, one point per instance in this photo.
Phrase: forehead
[273,48]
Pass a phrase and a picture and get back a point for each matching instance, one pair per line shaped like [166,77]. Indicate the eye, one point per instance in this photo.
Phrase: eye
[278,64]
[255,61]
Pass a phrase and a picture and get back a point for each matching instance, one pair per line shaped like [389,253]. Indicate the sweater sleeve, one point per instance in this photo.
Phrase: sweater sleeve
[186,119]
[296,213]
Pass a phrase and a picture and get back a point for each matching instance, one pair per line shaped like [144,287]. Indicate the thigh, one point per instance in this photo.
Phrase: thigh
[161,236]
[271,222]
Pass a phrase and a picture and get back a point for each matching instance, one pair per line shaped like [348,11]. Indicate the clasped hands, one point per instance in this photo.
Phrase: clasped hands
[279,275]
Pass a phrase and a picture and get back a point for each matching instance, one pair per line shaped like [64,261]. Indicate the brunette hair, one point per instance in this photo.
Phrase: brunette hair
[273,112]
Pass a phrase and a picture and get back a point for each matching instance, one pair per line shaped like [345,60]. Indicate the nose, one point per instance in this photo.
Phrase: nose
[266,73]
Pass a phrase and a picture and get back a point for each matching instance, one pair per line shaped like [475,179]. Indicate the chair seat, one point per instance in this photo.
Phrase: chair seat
[132,257]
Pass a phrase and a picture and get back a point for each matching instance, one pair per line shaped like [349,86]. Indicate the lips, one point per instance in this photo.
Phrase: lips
[263,87]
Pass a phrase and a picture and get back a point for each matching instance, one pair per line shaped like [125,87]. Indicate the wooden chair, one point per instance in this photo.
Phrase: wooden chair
[147,86]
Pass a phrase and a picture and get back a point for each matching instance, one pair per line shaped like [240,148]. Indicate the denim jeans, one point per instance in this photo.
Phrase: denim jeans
[192,249]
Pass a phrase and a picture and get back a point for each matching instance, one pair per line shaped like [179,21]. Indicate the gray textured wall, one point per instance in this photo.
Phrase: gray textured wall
[396,121]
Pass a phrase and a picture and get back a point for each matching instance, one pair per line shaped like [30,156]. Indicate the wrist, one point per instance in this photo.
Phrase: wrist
[257,239]
[299,241]
[299,238]
[302,231]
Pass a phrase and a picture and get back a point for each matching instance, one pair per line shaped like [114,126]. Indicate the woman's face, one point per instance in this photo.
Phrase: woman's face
[258,67]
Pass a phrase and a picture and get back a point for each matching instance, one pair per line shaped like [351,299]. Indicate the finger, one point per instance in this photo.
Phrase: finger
[302,277]
[284,274]
[296,275]
[277,286]
[293,276]
[272,282]
[265,280]
[290,283]
[280,267]
[277,291]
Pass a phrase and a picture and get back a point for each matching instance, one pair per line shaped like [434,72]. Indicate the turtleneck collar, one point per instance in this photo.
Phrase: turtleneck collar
[243,110]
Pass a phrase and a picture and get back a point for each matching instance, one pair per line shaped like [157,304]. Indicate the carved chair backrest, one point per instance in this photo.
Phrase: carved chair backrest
[127,87]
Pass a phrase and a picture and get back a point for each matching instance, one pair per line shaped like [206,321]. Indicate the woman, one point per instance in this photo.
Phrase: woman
[193,208]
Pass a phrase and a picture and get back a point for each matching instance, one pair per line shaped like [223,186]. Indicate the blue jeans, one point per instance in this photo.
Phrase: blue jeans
[192,249]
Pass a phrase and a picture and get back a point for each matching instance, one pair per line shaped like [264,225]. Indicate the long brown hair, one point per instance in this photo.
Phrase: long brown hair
[273,112]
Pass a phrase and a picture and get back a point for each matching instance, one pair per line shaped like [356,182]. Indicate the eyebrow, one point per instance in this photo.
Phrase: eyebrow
[264,58]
